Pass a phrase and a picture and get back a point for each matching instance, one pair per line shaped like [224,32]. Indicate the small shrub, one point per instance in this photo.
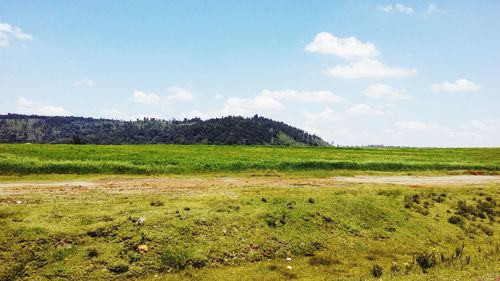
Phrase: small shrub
[175,258]
[455,220]
[311,200]
[263,199]
[376,271]
[199,263]
[327,219]
[426,261]
[92,253]
[156,203]
[187,209]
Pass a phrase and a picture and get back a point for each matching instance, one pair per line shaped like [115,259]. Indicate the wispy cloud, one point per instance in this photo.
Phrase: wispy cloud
[180,94]
[386,92]
[363,110]
[369,68]
[86,82]
[144,98]
[397,7]
[7,31]
[27,106]
[431,9]
[321,96]
[250,106]
[458,86]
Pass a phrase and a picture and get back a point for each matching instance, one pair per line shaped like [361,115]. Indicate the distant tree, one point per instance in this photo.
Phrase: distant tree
[76,139]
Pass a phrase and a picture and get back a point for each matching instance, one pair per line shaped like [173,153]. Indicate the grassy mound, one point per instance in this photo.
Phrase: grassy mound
[347,232]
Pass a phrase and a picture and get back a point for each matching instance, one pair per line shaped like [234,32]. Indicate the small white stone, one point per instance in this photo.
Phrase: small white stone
[289,267]
[289,259]
[140,221]
[19,202]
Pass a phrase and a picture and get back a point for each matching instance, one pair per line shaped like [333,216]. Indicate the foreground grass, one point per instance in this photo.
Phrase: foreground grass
[339,232]
[192,159]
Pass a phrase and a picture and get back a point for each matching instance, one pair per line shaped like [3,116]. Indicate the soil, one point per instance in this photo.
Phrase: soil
[195,185]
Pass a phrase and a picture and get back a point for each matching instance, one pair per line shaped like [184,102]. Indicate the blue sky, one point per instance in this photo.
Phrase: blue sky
[354,72]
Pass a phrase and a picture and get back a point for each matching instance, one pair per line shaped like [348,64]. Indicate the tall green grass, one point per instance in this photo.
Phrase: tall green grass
[181,159]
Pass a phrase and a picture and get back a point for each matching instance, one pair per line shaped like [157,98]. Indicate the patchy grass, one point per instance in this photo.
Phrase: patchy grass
[347,232]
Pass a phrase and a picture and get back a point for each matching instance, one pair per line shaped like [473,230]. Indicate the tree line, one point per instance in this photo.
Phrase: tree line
[257,130]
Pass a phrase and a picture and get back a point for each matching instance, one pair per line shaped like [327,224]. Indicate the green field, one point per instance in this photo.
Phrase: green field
[192,159]
[175,212]
[215,233]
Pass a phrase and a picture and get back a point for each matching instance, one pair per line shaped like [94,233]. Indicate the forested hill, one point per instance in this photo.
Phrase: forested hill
[17,128]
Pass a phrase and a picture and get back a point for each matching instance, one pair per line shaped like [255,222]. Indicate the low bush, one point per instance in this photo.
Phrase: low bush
[376,271]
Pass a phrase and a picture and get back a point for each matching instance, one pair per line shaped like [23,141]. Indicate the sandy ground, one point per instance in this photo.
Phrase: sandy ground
[193,185]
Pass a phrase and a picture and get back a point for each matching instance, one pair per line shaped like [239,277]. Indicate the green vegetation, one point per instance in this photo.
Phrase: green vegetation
[183,159]
[346,231]
[18,128]
[206,229]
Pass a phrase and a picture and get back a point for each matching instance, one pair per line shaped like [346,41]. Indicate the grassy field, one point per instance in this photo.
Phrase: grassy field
[195,159]
[173,212]
[345,231]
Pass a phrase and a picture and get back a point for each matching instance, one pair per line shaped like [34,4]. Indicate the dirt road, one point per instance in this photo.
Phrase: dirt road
[192,184]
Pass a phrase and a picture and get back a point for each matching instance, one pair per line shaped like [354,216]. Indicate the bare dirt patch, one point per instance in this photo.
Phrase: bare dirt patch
[419,180]
[192,185]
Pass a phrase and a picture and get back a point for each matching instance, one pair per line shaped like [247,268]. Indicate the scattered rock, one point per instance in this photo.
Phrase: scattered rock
[142,248]
[289,267]
[19,202]
[140,221]
[288,259]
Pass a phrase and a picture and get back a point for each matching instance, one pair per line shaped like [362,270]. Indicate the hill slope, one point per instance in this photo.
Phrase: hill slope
[16,128]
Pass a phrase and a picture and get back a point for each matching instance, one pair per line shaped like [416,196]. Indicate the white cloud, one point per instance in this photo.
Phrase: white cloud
[386,92]
[459,86]
[120,115]
[180,94]
[413,125]
[7,31]
[369,68]
[404,9]
[363,110]
[84,83]
[387,9]
[141,97]
[250,106]
[4,40]
[431,9]
[397,7]
[346,48]
[198,114]
[322,96]
[328,115]
[34,107]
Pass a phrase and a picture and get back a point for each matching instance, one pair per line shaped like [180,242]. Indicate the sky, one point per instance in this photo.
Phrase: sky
[407,73]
